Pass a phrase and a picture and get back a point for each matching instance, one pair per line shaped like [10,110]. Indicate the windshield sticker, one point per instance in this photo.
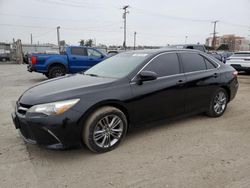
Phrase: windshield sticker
[140,55]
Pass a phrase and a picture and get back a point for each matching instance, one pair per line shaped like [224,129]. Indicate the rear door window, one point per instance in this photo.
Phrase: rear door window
[193,62]
[78,51]
[164,65]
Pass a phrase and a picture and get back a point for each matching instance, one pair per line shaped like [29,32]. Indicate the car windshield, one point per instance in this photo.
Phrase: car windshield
[117,66]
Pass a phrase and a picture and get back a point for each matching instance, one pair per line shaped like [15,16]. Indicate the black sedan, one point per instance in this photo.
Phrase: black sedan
[96,108]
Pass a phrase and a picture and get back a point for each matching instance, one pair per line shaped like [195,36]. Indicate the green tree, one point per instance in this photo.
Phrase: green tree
[82,42]
[89,42]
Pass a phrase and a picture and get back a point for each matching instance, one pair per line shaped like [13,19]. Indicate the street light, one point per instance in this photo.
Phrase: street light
[58,37]
[135,39]
[186,39]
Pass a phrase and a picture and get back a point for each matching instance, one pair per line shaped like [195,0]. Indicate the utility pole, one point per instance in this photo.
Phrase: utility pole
[58,37]
[214,34]
[186,39]
[249,41]
[135,39]
[125,24]
[31,39]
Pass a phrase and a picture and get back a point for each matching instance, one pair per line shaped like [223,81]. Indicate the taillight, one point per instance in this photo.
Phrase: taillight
[33,60]
[235,73]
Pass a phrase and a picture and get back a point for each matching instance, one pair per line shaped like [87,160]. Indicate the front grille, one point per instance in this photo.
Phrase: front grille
[22,108]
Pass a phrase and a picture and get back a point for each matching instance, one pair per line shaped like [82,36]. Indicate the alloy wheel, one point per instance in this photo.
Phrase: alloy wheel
[108,131]
[220,102]
[58,72]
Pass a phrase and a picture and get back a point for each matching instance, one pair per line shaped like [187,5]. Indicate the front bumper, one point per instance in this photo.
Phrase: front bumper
[51,132]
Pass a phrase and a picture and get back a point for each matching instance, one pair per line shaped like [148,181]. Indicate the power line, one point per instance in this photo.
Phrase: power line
[28,26]
[65,28]
[148,12]
[73,4]
[43,34]
[235,25]
[58,19]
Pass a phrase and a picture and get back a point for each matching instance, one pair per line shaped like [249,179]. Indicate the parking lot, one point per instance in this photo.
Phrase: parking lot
[196,151]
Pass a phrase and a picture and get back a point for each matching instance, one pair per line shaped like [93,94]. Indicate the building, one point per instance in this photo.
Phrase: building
[38,48]
[233,42]
[5,46]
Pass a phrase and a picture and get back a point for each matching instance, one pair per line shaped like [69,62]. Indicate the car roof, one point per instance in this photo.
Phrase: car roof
[158,51]
[74,46]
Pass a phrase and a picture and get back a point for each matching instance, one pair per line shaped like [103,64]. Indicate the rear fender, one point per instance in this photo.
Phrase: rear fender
[56,60]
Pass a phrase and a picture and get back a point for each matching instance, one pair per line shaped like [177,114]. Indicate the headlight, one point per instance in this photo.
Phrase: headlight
[53,108]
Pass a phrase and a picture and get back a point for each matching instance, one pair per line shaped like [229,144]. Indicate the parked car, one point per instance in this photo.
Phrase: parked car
[217,56]
[124,91]
[4,55]
[225,55]
[222,55]
[27,57]
[240,61]
[189,46]
[74,59]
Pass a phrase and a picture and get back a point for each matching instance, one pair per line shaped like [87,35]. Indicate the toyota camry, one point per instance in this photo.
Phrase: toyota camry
[97,107]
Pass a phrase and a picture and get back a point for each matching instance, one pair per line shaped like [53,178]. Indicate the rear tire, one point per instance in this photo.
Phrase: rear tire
[56,71]
[104,129]
[218,103]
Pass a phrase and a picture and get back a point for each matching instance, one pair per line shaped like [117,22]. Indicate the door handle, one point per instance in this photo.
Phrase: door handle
[215,75]
[91,59]
[73,57]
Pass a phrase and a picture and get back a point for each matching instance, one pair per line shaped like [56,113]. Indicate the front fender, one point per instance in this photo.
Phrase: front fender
[115,103]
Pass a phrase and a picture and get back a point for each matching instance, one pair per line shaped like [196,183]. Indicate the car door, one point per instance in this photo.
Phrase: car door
[78,59]
[94,56]
[202,80]
[163,97]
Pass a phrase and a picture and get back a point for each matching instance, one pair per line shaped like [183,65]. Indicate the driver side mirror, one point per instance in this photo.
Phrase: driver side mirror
[146,76]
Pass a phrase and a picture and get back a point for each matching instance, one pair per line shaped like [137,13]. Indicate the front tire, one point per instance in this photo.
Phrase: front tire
[104,129]
[218,103]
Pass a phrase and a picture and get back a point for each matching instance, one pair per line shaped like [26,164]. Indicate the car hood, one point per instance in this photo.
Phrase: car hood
[63,88]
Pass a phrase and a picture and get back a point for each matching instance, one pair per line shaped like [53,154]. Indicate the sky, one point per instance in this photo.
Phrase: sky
[157,22]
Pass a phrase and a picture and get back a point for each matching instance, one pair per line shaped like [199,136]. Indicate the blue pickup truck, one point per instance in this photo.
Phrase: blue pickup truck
[74,59]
